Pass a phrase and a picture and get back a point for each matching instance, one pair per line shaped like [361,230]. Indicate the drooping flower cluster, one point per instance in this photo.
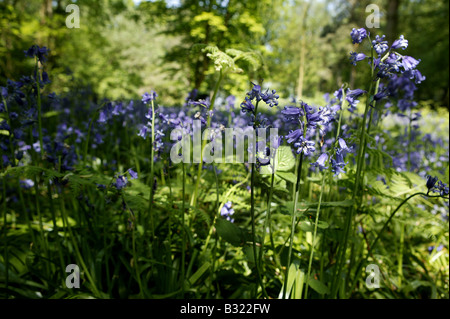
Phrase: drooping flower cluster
[436,186]
[307,119]
[270,98]
[227,211]
[264,153]
[122,180]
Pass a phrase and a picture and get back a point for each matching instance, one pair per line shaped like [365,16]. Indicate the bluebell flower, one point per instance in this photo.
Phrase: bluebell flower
[294,135]
[338,163]
[431,181]
[343,146]
[355,93]
[227,211]
[356,57]
[118,109]
[255,93]
[270,98]
[132,173]
[247,106]
[292,113]
[321,161]
[358,35]
[400,43]
[304,146]
[441,188]
[102,117]
[380,45]
[206,103]
[26,183]
[409,63]
[36,51]
[147,97]
[143,132]
[4,92]
[121,182]
[338,94]
[45,78]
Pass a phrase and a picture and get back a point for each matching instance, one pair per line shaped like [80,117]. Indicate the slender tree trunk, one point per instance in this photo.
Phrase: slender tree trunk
[301,69]
[392,20]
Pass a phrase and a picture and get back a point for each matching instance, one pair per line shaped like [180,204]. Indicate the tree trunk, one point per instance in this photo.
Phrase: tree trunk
[301,69]
[392,20]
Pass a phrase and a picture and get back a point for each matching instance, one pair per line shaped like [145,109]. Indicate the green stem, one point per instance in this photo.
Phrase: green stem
[208,125]
[77,251]
[86,145]
[379,233]
[267,223]
[150,205]
[11,143]
[224,200]
[360,159]
[38,89]
[183,226]
[293,218]
[5,231]
[314,236]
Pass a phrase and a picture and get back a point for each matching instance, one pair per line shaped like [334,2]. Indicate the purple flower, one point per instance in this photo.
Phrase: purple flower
[355,93]
[380,45]
[227,211]
[294,136]
[102,117]
[255,93]
[143,132]
[45,79]
[146,97]
[338,164]
[202,102]
[356,57]
[118,109]
[26,183]
[409,63]
[321,161]
[247,106]
[343,146]
[431,181]
[121,182]
[400,43]
[4,92]
[358,35]
[36,51]
[304,146]
[292,113]
[132,173]
[270,98]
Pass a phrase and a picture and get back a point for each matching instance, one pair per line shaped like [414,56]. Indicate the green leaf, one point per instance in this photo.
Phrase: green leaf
[344,203]
[230,232]
[284,159]
[199,273]
[318,286]
[289,176]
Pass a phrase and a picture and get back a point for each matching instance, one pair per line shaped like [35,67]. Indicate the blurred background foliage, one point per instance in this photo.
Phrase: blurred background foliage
[124,48]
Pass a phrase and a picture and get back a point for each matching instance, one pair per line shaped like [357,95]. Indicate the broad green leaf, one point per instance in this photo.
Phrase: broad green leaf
[230,232]
[318,286]
[289,176]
